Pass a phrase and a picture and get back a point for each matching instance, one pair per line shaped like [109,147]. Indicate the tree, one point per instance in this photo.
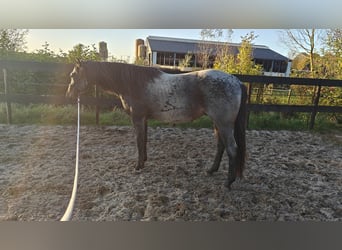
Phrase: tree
[45,50]
[242,63]
[333,69]
[301,62]
[206,49]
[327,64]
[83,52]
[186,62]
[334,41]
[45,54]
[12,40]
[300,40]
[138,61]
[221,35]
[245,56]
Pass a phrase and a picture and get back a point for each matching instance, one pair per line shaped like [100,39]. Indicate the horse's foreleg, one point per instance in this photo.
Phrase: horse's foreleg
[145,137]
[141,134]
[219,153]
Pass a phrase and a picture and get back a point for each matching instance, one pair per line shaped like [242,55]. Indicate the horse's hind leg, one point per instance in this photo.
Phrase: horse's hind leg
[227,137]
[232,154]
[219,152]
[140,126]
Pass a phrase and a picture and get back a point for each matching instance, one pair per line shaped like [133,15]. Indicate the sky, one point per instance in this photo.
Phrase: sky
[64,23]
[121,42]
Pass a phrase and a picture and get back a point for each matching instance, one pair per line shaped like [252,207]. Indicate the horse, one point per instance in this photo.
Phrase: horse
[149,93]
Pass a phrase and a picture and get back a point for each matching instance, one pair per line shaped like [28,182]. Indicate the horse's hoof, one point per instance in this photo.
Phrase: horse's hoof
[228,184]
[139,167]
[210,172]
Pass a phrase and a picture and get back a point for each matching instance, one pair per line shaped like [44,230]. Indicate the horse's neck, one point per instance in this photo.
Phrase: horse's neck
[108,83]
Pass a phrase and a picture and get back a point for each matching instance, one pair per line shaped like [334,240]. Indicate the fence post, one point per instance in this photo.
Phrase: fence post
[289,96]
[249,93]
[97,108]
[8,103]
[314,111]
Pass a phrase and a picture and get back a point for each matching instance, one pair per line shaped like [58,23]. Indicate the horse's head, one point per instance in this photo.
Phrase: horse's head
[78,82]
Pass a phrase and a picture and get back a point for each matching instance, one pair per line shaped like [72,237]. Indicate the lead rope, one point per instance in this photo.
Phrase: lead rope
[68,212]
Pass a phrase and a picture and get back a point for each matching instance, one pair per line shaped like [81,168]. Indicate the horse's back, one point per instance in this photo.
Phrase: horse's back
[218,77]
[216,83]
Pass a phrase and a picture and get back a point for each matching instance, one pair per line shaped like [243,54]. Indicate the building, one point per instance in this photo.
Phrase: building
[168,52]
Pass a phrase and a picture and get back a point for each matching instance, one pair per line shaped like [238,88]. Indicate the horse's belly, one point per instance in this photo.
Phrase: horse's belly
[173,116]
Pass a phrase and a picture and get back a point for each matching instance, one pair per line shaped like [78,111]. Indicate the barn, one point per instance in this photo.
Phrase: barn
[168,52]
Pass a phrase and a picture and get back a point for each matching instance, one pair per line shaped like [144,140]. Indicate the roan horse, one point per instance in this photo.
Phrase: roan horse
[146,92]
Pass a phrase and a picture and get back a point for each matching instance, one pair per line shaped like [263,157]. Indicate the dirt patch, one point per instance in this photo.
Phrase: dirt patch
[290,176]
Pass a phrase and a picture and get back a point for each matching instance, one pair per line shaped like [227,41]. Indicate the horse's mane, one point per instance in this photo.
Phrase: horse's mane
[122,75]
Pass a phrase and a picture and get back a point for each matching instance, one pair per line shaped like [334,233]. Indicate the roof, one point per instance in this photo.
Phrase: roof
[179,45]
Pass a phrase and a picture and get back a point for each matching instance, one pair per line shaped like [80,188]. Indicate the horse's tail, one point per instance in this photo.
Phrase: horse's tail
[240,132]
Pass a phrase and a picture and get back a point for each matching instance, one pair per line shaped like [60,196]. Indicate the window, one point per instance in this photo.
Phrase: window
[165,58]
[280,66]
[266,64]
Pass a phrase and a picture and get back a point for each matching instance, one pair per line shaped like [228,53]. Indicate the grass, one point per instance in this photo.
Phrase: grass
[60,115]
[67,115]
[275,121]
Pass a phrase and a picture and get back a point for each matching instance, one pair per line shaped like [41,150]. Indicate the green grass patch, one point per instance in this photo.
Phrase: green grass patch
[293,121]
[67,115]
[276,121]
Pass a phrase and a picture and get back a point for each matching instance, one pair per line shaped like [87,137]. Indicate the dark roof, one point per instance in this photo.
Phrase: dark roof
[177,45]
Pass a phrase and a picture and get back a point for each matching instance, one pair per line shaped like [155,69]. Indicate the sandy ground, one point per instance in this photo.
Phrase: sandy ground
[290,176]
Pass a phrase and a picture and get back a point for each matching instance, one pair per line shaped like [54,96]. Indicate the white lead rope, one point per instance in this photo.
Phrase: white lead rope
[68,212]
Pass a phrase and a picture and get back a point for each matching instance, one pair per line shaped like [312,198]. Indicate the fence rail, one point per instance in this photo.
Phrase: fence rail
[102,102]
[313,109]
[53,67]
[290,80]
[293,108]
[58,100]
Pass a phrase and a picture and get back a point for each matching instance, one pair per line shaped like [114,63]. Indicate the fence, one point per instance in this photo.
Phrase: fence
[98,101]
[59,69]
[313,109]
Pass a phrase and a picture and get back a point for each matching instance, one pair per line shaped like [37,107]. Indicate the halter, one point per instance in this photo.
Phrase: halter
[68,212]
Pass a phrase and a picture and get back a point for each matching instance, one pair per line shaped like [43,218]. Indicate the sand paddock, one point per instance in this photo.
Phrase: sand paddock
[290,176]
